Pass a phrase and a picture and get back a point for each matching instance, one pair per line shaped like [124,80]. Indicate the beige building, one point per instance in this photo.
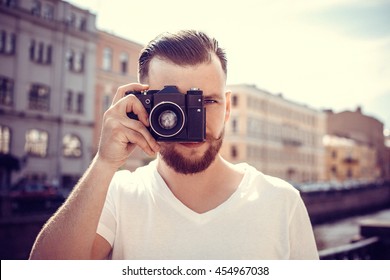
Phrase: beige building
[117,61]
[347,159]
[47,58]
[279,137]
[365,131]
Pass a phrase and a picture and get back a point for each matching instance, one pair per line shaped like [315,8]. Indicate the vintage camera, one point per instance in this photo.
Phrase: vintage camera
[174,116]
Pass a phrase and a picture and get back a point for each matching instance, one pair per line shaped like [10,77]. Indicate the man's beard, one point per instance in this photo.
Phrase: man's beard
[188,165]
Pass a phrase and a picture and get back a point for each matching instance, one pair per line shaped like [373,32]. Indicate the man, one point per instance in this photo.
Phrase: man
[189,203]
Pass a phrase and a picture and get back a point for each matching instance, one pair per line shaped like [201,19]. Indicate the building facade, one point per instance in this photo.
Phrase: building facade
[117,65]
[365,131]
[47,83]
[347,159]
[279,137]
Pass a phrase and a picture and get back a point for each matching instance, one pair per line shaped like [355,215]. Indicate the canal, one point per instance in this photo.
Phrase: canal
[341,232]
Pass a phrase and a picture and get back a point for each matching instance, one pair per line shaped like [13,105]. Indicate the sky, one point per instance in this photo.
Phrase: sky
[326,54]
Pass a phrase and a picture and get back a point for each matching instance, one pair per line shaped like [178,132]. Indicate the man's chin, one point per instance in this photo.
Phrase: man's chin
[191,158]
[190,162]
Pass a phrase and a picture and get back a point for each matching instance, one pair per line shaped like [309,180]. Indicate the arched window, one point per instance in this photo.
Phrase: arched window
[5,138]
[36,142]
[71,146]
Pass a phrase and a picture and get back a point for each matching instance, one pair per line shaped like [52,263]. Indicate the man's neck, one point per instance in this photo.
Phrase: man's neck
[205,190]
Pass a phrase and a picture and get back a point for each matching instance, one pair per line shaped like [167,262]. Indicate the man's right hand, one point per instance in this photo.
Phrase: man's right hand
[121,134]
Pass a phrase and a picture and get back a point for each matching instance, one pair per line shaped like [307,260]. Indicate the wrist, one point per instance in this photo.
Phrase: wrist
[105,165]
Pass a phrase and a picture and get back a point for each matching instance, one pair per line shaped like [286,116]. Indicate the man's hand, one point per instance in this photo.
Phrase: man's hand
[120,134]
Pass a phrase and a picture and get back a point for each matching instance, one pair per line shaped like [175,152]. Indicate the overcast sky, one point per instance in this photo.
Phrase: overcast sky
[323,53]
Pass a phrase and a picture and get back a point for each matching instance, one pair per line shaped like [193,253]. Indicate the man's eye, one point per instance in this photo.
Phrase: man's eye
[210,101]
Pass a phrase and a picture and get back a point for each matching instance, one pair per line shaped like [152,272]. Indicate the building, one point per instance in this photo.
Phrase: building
[117,65]
[347,159]
[365,131]
[277,136]
[47,83]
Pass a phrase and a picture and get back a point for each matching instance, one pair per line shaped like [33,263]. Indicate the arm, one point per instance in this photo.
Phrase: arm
[71,232]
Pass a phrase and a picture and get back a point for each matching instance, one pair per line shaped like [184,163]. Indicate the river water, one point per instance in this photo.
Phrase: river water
[341,232]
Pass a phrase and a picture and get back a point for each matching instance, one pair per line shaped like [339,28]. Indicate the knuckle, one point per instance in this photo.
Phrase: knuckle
[138,126]
[114,126]
[131,97]
[122,88]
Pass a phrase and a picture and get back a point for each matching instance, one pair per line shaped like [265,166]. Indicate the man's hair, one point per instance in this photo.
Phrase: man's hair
[184,48]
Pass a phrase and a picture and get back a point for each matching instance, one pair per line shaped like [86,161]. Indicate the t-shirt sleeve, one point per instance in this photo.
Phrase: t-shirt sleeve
[302,242]
[107,223]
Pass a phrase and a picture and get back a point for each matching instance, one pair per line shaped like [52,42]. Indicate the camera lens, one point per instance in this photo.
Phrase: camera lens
[167,119]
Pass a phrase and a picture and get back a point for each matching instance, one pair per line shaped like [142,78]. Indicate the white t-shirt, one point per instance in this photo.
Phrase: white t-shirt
[264,219]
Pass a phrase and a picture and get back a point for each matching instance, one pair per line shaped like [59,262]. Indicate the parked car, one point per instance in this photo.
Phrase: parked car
[30,197]
[34,190]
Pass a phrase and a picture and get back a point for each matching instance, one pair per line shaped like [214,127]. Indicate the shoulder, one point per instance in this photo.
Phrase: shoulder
[126,181]
[268,184]
[280,184]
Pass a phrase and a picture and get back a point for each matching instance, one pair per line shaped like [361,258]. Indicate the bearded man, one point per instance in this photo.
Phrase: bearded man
[189,203]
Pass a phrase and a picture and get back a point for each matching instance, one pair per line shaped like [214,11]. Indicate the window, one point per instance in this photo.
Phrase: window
[48,12]
[71,20]
[40,53]
[78,62]
[124,60]
[36,8]
[6,91]
[234,152]
[234,126]
[39,59]
[32,50]
[75,61]
[36,142]
[69,101]
[106,102]
[39,97]
[49,50]
[107,59]
[5,139]
[71,146]
[83,24]
[234,100]
[80,103]
[69,59]
[9,3]
[7,42]
[71,98]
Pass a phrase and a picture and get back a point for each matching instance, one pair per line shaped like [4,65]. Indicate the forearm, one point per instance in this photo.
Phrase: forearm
[70,233]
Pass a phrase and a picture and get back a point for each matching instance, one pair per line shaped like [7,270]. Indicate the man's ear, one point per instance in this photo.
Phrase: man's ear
[228,96]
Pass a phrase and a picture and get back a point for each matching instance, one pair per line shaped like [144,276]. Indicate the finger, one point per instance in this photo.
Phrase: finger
[131,103]
[138,134]
[138,140]
[121,91]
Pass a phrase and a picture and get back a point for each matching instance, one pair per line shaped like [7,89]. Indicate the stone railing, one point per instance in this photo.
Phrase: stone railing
[374,244]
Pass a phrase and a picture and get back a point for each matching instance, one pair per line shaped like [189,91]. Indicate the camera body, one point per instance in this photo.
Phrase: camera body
[174,116]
